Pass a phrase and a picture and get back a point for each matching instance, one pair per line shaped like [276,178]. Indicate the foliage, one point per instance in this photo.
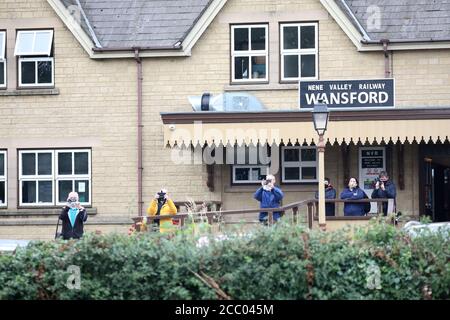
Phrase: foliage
[280,262]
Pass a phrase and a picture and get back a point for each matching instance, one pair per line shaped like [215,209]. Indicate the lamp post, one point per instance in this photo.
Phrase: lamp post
[320,119]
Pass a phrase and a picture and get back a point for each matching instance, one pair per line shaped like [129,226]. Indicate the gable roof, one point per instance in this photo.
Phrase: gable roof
[165,27]
[403,24]
[114,28]
[140,23]
[418,20]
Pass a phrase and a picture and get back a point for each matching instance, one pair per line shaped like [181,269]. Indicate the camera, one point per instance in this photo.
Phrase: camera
[161,195]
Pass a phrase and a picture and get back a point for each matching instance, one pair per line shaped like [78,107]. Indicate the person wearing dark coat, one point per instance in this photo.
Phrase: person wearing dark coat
[269,196]
[353,192]
[384,189]
[73,217]
[330,193]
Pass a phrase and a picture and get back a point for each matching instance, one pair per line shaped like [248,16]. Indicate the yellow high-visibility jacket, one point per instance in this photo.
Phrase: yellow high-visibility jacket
[165,225]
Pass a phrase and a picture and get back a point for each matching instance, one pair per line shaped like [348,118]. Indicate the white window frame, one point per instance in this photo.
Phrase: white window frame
[299,52]
[298,164]
[47,52]
[250,53]
[36,178]
[4,178]
[73,177]
[54,177]
[3,58]
[262,167]
[36,60]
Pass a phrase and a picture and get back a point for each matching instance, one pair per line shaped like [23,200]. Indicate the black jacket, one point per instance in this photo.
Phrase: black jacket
[330,193]
[390,192]
[77,231]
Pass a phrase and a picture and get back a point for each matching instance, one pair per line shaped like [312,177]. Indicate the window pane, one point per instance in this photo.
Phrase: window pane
[258,38]
[2,192]
[307,37]
[45,191]
[309,173]
[28,72]
[28,191]
[43,42]
[241,67]
[291,155]
[82,187]
[81,163]
[290,38]
[242,174]
[64,188]
[28,164]
[2,44]
[2,73]
[65,163]
[44,163]
[308,154]
[44,72]
[240,39]
[291,66]
[308,65]
[25,42]
[2,164]
[291,173]
[258,67]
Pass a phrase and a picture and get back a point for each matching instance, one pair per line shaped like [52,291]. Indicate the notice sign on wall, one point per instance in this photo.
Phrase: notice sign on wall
[372,160]
[347,93]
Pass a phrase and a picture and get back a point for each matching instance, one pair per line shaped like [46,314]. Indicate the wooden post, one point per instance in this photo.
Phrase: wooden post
[321,151]
[270,218]
[295,214]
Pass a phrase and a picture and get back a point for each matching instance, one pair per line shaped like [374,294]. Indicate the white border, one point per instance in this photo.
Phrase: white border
[36,178]
[299,52]
[250,53]
[373,206]
[4,73]
[349,108]
[33,53]
[36,84]
[300,164]
[5,178]
[73,177]
[249,166]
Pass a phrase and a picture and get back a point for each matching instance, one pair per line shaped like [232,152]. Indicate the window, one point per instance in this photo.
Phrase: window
[36,65]
[47,176]
[73,174]
[2,59]
[251,164]
[299,53]
[299,164]
[249,53]
[3,179]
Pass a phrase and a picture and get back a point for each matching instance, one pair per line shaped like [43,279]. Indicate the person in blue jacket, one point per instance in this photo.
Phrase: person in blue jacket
[330,193]
[269,196]
[384,188]
[353,192]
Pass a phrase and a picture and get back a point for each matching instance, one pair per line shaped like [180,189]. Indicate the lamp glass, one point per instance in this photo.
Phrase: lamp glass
[320,118]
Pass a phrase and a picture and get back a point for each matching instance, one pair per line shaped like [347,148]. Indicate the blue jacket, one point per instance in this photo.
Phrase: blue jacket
[390,192]
[269,199]
[330,193]
[353,209]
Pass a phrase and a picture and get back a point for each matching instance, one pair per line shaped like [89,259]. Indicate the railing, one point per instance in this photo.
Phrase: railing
[292,208]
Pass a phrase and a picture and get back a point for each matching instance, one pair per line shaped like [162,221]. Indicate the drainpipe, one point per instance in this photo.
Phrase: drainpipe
[139,128]
[387,71]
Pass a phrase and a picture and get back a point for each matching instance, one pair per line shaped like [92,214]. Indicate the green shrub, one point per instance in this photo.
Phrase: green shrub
[282,262]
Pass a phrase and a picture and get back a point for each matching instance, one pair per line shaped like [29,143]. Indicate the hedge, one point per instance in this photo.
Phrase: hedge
[279,262]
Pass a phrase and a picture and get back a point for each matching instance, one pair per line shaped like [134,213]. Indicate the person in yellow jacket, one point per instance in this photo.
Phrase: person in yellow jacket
[161,204]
